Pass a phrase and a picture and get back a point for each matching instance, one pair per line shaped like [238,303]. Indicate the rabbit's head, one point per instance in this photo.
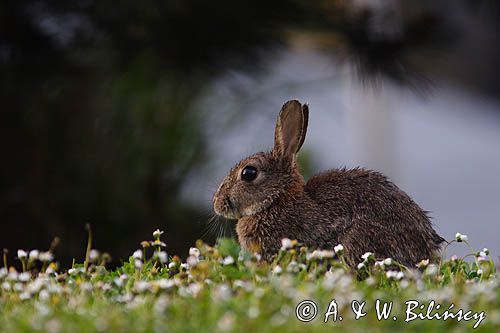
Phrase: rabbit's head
[254,184]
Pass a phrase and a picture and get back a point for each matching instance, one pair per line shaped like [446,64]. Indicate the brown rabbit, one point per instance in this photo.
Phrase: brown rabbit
[358,208]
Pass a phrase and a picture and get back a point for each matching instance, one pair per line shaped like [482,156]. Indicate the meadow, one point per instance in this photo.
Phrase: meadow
[224,289]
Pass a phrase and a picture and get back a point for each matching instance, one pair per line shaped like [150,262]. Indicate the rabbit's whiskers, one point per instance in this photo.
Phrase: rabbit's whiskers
[217,226]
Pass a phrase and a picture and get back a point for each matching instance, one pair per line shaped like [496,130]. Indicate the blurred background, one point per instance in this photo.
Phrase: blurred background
[126,115]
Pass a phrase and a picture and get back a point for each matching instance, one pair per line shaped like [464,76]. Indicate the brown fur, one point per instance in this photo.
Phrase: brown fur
[358,208]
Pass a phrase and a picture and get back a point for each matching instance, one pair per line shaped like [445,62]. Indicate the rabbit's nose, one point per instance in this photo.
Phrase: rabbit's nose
[219,208]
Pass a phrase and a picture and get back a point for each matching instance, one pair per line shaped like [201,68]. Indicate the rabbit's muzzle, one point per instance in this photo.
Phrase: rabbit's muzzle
[225,207]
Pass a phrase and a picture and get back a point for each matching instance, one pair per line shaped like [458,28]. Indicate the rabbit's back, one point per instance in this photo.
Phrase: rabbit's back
[372,214]
[347,192]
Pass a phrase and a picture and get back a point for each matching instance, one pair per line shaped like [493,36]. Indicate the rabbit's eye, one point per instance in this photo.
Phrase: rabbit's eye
[248,173]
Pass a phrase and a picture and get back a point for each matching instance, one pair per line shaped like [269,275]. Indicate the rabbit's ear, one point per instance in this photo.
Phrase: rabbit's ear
[291,128]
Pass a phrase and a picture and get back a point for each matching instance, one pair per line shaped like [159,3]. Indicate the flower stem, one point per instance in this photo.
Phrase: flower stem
[5,264]
[473,253]
[89,247]
[443,254]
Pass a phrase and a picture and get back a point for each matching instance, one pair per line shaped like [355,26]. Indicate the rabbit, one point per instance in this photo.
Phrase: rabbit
[358,208]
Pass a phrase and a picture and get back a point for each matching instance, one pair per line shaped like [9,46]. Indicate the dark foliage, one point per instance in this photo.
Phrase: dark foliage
[98,122]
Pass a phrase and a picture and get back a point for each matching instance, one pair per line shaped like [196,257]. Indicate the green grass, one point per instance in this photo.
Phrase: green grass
[224,289]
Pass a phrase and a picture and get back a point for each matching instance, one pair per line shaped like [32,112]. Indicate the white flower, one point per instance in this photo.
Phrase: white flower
[396,275]
[53,326]
[93,255]
[43,295]
[241,284]
[195,252]
[21,254]
[361,265]
[460,238]
[338,249]
[137,255]
[194,288]
[34,254]
[157,233]
[277,269]
[222,292]
[138,263]
[380,264]
[404,284]
[13,276]
[118,282]
[87,286]
[126,298]
[228,261]
[172,265]
[192,261]
[388,261]
[479,272]
[481,258]
[54,289]
[423,263]
[162,256]
[253,312]
[320,254]
[45,256]
[141,286]
[24,295]
[165,283]
[371,281]
[486,251]
[185,265]
[432,269]
[327,254]
[24,277]
[6,286]
[367,256]
[292,267]
[3,272]
[35,286]
[313,255]
[226,322]
[286,244]
[74,271]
